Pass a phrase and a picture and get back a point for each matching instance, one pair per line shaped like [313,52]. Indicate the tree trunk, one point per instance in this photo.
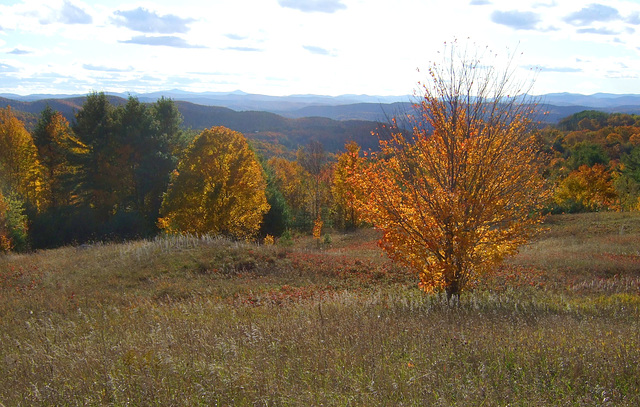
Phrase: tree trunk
[453,292]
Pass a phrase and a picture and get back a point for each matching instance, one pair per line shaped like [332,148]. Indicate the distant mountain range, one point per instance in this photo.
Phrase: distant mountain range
[352,107]
[293,120]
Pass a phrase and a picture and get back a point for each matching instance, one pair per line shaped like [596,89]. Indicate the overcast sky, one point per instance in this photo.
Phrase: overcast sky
[328,47]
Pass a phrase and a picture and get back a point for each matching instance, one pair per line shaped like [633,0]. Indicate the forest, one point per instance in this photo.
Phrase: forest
[103,176]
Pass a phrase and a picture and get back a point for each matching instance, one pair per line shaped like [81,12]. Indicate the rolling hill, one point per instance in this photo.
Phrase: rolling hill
[294,120]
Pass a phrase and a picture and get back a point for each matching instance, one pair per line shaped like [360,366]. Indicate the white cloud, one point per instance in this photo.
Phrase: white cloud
[599,31]
[67,14]
[593,13]
[146,21]
[316,50]
[163,40]
[309,6]
[103,68]
[519,20]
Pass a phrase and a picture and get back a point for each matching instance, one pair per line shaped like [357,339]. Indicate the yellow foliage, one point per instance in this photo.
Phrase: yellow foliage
[293,181]
[344,194]
[20,168]
[591,187]
[218,188]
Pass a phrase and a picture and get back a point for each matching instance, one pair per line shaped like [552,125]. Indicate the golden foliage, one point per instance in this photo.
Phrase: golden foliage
[343,192]
[465,190]
[20,168]
[590,187]
[293,181]
[317,227]
[218,188]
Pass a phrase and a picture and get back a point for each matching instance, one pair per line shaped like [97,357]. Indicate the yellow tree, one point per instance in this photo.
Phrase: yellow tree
[58,148]
[218,188]
[343,192]
[20,169]
[294,183]
[465,189]
[591,188]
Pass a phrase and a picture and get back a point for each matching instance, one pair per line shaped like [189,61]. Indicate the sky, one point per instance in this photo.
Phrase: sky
[323,47]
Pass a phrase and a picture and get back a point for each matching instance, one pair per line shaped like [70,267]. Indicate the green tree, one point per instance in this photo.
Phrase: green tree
[13,224]
[277,220]
[218,188]
[102,168]
[586,153]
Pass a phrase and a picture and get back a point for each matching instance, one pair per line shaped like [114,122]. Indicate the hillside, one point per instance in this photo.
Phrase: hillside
[256,125]
[302,118]
[186,321]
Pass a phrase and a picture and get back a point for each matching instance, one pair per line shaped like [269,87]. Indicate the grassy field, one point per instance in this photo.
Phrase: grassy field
[184,321]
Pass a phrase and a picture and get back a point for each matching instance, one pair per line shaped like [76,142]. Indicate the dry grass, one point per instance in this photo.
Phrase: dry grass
[188,321]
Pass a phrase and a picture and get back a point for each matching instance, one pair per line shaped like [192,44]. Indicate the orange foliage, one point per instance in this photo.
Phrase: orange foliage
[465,191]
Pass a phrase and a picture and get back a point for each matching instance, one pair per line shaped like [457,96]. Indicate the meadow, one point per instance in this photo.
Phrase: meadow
[206,321]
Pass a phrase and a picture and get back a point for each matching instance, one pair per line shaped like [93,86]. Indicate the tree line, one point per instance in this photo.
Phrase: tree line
[104,176]
[595,162]
[132,171]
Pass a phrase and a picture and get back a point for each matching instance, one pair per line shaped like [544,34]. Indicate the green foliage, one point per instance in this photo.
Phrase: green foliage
[631,163]
[586,153]
[286,239]
[595,119]
[13,223]
[278,219]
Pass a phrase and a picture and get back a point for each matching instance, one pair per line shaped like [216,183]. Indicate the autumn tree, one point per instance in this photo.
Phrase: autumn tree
[344,194]
[294,182]
[313,158]
[586,189]
[218,188]
[20,170]
[464,190]
[59,151]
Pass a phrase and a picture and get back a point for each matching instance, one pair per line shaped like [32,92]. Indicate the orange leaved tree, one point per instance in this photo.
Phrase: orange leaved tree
[464,189]
[218,188]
